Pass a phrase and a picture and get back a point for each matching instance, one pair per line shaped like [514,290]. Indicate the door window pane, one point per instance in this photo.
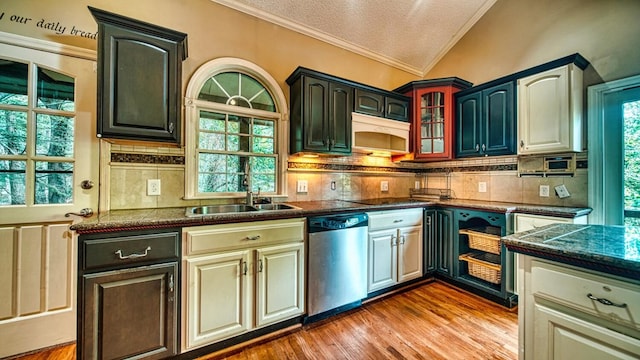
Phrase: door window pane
[12,182]
[55,90]
[54,135]
[54,181]
[13,132]
[34,143]
[631,115]
[13,83]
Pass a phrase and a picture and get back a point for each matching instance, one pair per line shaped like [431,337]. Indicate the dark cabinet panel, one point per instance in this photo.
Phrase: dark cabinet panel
[382,104]
[128,281]
[130,313]
[320,115]
[139,79]
[445,244]
[397,109]
[367,102]
[485,121]
[340,105]
[430,240]
[468,125]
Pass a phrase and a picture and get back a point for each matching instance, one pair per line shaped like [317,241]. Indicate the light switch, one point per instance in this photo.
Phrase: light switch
[384,185]
[303,186]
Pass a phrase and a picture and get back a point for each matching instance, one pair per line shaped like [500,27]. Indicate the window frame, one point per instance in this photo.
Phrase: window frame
[193,106]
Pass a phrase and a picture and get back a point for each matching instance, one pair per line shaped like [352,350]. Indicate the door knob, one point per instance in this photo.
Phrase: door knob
[86,184]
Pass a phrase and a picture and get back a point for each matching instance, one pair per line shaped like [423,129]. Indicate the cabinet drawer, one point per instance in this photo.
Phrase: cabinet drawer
[204,239]
[129,249]
[394,219]
[573,289]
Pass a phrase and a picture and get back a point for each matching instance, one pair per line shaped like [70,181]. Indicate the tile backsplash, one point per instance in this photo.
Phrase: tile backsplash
[340,178]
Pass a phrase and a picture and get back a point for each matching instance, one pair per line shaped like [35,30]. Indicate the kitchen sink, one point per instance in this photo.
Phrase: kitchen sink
[236,208]
[219,209]
[276,207]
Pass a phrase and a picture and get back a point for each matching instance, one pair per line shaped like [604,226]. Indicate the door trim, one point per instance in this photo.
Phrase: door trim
[595,123]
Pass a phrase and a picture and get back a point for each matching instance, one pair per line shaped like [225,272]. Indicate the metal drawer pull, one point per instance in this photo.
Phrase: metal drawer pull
[605,301]
[134,255]
[255,237]
[245,268]
[260,265]
[171,283]
[397,221]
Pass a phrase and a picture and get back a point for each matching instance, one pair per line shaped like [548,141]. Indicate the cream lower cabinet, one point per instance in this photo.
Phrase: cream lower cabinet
[524,222]
[240,277]
[395,247]
[560,316]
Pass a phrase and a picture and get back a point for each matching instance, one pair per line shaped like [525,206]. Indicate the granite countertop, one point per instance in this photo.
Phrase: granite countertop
[138,219]
[610,249]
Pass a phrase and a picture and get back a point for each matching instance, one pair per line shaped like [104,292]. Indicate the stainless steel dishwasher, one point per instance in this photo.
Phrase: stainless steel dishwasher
[337,264]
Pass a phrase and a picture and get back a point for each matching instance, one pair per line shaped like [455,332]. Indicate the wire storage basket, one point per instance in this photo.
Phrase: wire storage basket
[486,238]
[485,266]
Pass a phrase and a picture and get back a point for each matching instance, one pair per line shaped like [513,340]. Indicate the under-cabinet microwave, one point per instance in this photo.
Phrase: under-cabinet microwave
[548,165]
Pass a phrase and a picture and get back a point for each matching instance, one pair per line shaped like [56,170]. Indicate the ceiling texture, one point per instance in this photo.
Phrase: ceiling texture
[411,35]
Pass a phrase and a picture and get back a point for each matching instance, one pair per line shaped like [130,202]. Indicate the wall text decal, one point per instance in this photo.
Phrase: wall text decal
[54,26]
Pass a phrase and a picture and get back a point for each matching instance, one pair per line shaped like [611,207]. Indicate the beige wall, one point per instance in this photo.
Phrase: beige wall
[514,35]
[213,31]
[517,34]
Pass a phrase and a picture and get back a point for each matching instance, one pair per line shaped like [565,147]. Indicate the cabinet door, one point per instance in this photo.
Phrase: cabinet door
[433,121]
[549,113]
[468,112]
[558,335]
[498,131]
[316,115]
[280,283]
[382,259]
[369,103]
[118,304]
[430,240]
[409,253]
[396,109]
[139,79]
[340,108]
[218,297]
[445,242]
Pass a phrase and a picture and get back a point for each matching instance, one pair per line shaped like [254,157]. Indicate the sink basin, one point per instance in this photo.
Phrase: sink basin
[219,209]
[236,208]
[276,207]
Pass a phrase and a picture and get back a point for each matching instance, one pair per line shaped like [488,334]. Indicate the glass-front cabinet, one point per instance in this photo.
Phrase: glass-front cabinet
[433,117]
[432,125]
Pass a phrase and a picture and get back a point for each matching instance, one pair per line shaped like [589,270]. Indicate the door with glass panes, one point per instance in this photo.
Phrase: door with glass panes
[48,167]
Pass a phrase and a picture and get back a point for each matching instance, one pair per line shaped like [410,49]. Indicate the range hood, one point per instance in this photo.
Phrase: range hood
[375,135]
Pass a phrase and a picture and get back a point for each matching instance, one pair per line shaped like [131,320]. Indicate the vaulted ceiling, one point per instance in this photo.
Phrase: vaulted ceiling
[411,35]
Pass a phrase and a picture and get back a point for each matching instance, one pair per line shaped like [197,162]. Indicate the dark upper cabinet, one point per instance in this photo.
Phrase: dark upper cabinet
[139,79]
[387,105]
[370,103]
[320,115]
[397,109]
[485,121]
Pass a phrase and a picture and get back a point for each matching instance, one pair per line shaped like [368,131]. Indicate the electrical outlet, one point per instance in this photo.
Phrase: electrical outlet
[482,186]
[562,191]
[153,187]
[303,186]
[417,184]
[544,190]
[384,185]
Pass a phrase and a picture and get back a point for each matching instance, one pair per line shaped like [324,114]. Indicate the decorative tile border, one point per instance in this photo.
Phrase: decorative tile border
[147,158]
[378,169]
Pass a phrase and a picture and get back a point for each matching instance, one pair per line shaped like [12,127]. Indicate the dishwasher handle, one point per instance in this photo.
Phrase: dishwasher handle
[337,222]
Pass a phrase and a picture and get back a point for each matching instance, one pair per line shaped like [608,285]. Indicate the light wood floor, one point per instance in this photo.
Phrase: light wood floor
[433,321]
